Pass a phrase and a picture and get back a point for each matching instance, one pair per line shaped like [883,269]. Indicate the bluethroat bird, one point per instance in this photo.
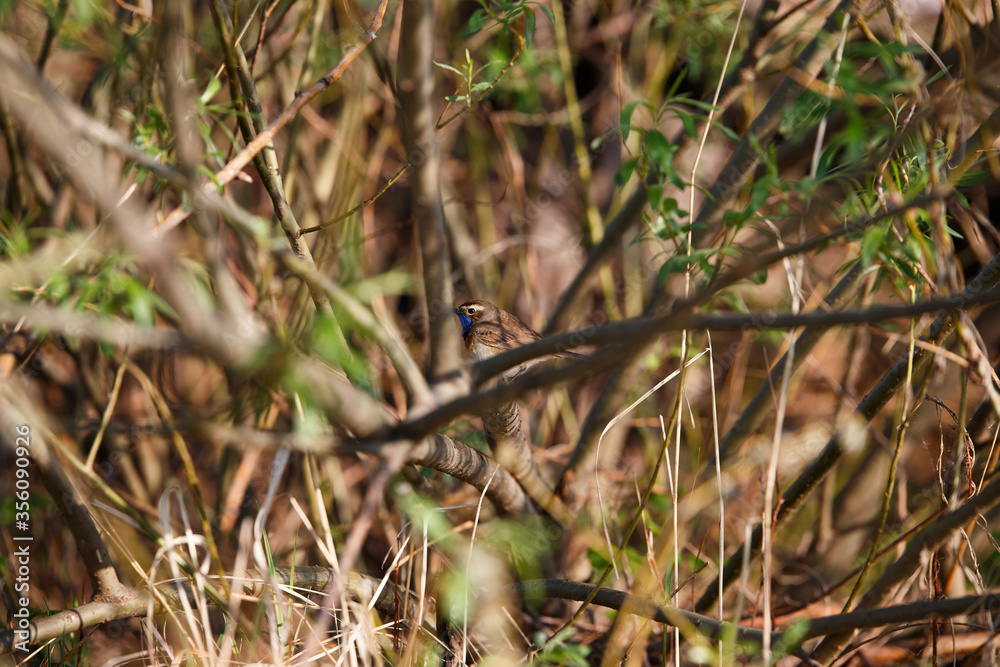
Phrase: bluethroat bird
[488,330]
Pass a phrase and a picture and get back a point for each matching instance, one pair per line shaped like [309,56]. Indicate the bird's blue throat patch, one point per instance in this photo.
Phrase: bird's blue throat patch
[466,323]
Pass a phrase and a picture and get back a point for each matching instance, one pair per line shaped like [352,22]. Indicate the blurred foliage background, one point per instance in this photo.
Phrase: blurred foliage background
[237,358]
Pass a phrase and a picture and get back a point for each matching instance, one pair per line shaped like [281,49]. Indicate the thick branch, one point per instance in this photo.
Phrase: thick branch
[462,462]
[510,449]
[138,600]
[927,610]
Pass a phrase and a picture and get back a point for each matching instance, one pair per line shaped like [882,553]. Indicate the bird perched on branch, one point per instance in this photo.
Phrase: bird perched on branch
[488,330]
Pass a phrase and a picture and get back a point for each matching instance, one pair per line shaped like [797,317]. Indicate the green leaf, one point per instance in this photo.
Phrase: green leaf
[759,192]
[871,243]
[674,178]
[689,125]
[547,12]
[672,209]
[330,343]
[907,270]
[625,172]
[597,559]
[676,264]
[468,65]
[698,104]
[211,89]
[728,131]
[972,178]
[449,68]
[733,219]
[625,117]
[654,193]
[140,303]
[661,152]
[475,23]
[529,25]
[156,120]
